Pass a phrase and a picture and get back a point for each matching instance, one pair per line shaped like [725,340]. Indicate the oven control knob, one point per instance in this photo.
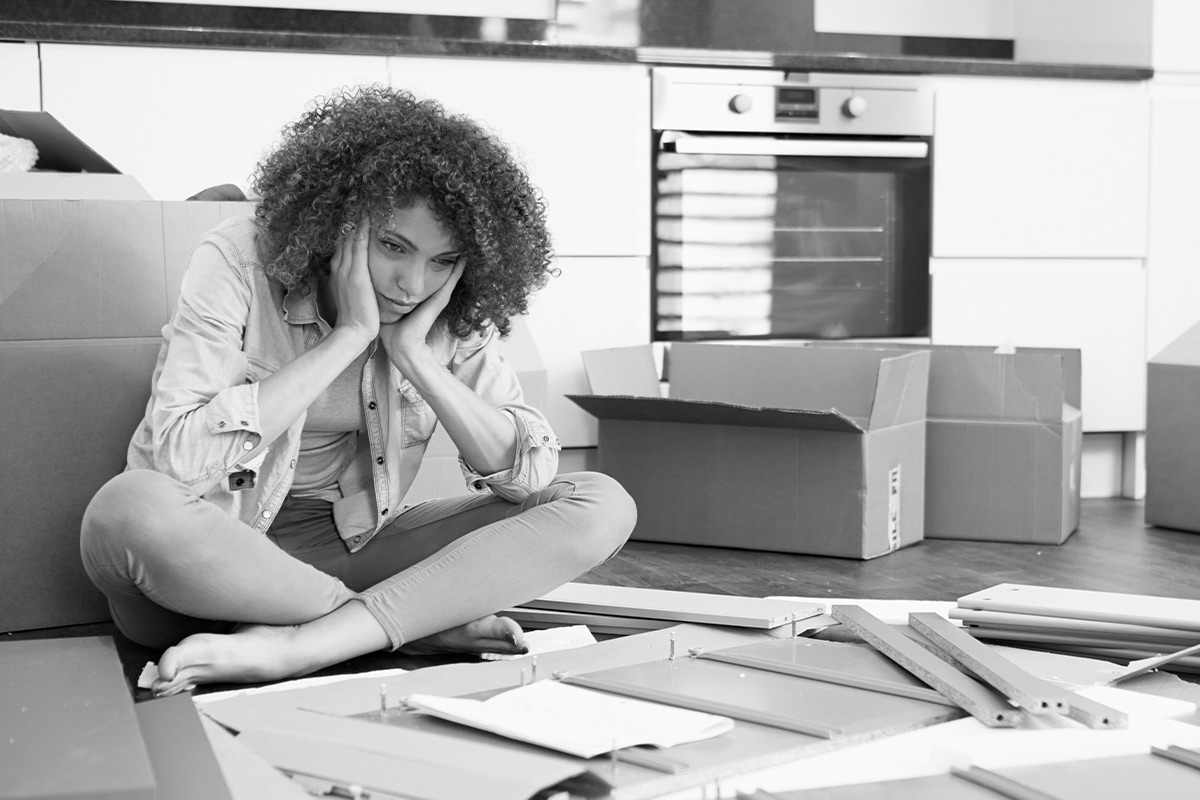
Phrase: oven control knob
[855,107]
[740,103]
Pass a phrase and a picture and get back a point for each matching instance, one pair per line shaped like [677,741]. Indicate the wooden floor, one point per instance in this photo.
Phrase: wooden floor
[1113,550]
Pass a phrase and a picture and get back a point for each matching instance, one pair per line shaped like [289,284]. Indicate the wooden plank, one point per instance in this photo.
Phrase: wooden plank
[1035,695]
[813,707]
[663,604]
[1039,635]
[184,765]
[843,663]
[1050,601]
[1142,666]
[1180,755]
[67,716]
[534,618]
[980,701]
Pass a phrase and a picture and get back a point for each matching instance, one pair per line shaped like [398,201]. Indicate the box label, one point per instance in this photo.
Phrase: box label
[894,509]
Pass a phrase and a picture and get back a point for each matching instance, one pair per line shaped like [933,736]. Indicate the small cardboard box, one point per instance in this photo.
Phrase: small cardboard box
[85,288]
[1005,440]
[786,449]
[1173,435]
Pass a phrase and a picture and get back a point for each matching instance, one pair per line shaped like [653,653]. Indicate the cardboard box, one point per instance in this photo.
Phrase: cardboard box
[1004,442]
[85,288]
[66,169]
[1173,435]
[787,449]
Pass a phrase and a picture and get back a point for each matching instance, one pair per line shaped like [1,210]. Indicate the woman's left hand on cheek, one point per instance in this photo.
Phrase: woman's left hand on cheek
[406,337]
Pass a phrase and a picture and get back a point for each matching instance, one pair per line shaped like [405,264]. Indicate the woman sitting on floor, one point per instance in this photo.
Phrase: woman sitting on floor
[260,530]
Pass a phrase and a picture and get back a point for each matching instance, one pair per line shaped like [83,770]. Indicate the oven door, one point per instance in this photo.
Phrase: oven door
[800,237]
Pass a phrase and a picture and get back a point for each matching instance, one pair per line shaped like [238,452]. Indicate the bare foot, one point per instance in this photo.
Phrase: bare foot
[491,634]
[252,654]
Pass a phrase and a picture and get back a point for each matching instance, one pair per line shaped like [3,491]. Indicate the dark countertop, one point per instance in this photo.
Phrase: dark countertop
[777,34]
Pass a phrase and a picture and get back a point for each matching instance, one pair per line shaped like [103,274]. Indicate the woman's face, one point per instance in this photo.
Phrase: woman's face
[409,257]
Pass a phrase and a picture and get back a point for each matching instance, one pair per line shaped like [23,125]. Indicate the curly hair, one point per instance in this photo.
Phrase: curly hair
[376,149]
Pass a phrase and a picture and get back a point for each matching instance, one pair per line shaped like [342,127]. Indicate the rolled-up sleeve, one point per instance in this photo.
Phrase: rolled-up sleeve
[204,419]
[479,364]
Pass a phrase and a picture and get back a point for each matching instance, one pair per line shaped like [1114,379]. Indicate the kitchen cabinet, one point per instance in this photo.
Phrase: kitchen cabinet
[581,129]
[21,88]
[594,303]
[1032,168]
[1040,228]
[181,119]
[1094,305]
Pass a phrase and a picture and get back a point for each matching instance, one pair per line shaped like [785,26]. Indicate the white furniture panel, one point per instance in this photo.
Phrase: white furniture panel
[1175,24]
[583,131]
[1097,306]
[1033,168]
[593,304]
[180,119]
[20,85]
[1173,262]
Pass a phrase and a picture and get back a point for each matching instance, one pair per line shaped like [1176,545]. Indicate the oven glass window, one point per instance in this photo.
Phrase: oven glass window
[766,246]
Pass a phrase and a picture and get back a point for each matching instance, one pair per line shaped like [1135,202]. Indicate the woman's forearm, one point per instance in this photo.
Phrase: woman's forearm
[485,436]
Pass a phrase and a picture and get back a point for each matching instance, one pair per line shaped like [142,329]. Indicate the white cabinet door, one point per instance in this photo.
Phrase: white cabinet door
[1034,168]
[20,86]
[1173,262]
[582,130]
[594,303]
[1096,306]
[179,119]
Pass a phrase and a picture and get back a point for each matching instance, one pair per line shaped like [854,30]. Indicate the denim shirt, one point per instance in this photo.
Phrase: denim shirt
[232,327]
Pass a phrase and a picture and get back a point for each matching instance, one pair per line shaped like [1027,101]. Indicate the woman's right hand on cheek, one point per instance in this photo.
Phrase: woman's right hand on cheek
[350,281]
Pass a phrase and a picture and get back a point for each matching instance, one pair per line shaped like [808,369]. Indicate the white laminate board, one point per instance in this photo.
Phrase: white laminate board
[1050,601]
[696,607]
[1013,621]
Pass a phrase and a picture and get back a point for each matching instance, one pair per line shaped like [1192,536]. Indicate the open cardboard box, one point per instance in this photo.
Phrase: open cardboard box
[1005,441]
[85,288]
[1173,434]
[66,169]
[787,449]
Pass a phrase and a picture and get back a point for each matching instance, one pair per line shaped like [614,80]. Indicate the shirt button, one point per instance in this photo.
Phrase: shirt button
[379,460]
[293,464]
[356,540]
[371,405]
[221,424]
[266,514]
[245,424]
[545,438]
[383,513]
[247,445]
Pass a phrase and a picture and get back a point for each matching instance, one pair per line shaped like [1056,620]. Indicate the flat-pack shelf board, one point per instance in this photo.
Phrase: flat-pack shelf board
[1050,601]
[844,663]
[1113,778]
[1042,636]
[662,604]
[534,618]
[1009,621]
[926,787]
[814,707]
[67,717]
[981,701]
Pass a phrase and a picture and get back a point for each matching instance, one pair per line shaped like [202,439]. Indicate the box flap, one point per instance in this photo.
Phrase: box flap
[901,390]
[658,409]
[1184,351]
[626,371]
[780,376]
[70,186]
[58,149]
[975,382]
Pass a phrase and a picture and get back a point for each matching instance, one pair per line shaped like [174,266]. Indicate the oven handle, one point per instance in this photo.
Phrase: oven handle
[768,145]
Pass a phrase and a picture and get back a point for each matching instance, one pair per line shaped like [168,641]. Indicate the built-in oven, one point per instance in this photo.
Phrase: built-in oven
[790,205]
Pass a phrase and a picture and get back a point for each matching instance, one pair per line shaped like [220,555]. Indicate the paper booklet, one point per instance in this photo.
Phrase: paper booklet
[581,722]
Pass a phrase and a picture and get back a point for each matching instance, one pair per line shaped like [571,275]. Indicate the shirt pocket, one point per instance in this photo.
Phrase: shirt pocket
[417,419]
